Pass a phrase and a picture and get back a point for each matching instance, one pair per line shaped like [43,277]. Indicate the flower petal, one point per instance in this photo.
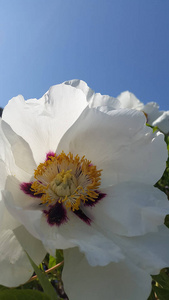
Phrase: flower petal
[117,281]
[99,250]
[45,120]
[162,122]
[129,100]
[152,111]
[130,209]
[14,239]
[20,149]
[150,251]
[95,99]
[120,144]
[14,264]
[22,199]
[8,165]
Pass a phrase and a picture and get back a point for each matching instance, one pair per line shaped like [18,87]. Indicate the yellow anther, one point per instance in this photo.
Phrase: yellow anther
[67,179]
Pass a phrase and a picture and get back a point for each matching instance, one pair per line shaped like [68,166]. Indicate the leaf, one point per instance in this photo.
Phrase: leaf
[14,294]
[166,221]
[152,296]
[46,285]
[162,279]
[59,256]
[163,294]
[2,287]
[52,262]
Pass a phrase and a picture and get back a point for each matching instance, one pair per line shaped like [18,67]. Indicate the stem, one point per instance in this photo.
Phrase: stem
[47,271]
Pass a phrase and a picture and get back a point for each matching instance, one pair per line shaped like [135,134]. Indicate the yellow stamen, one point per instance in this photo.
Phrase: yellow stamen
[67,179]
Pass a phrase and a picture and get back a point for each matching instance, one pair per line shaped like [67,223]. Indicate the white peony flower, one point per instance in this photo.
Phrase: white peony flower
[83,177]
[154,116]
[14,264]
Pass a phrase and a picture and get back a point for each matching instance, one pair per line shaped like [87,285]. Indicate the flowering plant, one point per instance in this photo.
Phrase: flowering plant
[78,174]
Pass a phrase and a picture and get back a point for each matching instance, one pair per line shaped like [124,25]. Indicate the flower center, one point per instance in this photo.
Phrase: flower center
[64,184]
[66,179]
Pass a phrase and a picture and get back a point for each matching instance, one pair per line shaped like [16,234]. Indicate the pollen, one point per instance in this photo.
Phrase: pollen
[66,179]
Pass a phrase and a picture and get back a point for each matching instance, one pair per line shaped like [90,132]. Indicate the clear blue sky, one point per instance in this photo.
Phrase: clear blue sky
[114,45]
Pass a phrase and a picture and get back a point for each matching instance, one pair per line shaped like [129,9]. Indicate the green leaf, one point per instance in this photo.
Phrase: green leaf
[166,221]
[163,294]
[152,296]
[14,294]
[3,288]
[59,256]
[162,279]
[52,262]
[46,285]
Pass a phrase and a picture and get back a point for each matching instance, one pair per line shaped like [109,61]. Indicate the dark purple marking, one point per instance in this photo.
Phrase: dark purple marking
[26,188]
[56,215]
[91,203]
[79,213]
[51,153]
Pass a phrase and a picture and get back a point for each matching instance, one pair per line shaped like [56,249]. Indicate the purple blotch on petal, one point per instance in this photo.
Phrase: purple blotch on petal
[91,203]
[79,213]
[26,188]
[51,153]
[56,215]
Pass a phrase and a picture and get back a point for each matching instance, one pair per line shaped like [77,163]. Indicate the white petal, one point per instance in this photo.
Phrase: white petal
[163,122]
[120,144]
[130,209]
[13,259]
[82,85]
[95,99]
[14,264]
[117,281]
[6,219]
[43,122]
[7,162]
[99,250]
[23,200]
[149,252]
[31,245]
[129,100]
[152,111]
[20,149]
[3,174]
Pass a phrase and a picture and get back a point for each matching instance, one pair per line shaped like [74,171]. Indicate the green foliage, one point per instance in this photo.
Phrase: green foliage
[53,261]
[152,296]
[46,285]
[2,288]
[162,279]
[14,294]
[162,294]
[160,286]
[166,221]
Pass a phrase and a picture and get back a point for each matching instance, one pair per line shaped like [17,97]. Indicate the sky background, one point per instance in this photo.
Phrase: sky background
[113,45]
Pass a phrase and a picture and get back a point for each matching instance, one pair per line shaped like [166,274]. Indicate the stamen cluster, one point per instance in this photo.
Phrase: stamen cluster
[66,179]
